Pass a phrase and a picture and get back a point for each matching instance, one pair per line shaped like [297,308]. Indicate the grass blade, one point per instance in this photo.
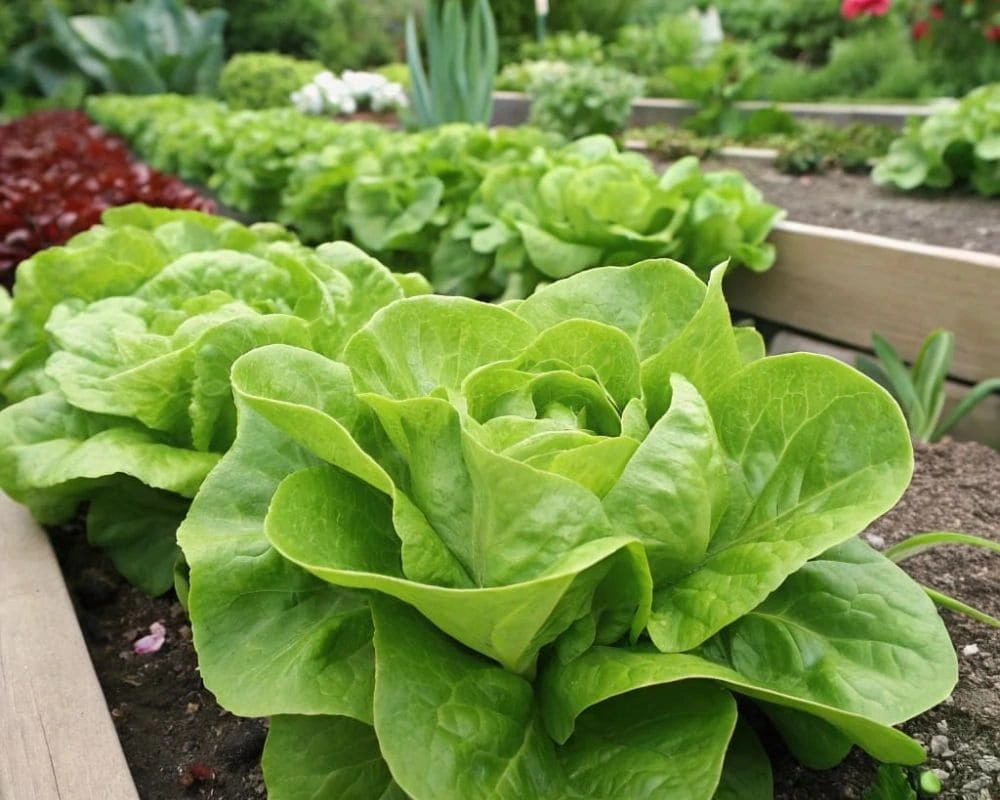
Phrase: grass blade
[975,396]
[926,541]
[949,602]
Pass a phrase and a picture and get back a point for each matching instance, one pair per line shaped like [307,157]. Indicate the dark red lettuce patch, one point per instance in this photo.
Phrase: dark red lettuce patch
[58,172]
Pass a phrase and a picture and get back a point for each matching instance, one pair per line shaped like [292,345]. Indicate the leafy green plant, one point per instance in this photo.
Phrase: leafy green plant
[818,147]
[115,357]
[264,80]
[589,205]
[716,86]
[563,46]
[457,85]
[536,551]
[580,99]
[648,50]
[958,145]
[146,47]
[920,392]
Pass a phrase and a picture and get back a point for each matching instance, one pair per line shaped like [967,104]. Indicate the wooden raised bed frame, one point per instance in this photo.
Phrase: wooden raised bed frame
[57,740]
[512,108]
[844,285]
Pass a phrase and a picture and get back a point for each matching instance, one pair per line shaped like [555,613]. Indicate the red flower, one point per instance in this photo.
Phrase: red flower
[993,33]
[849,9]
[921,28]
[937,12]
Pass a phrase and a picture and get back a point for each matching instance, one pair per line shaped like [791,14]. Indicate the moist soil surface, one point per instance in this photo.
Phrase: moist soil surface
[853,202]
[180,745]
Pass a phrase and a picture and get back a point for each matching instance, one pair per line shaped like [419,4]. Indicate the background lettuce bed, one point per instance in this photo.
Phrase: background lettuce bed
[482,213]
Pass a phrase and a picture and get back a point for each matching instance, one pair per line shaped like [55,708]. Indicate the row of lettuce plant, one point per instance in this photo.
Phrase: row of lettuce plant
[958,146]
[482,213]
[115,354]
[460,550]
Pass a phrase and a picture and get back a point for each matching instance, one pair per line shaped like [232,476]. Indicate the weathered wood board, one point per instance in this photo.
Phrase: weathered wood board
[844,285]
[57,740]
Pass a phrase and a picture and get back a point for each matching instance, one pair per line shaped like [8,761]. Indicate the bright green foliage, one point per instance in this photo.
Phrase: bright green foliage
[891,783]
[115,358]
[146,47]
[958,145]
[537,550]
[727,77]
[649,49]
[482,213]
[264,80]
[589,205]
[462,59]
[581,99]
[802,147]
[920,392]
[818,148]
[570,47]
[871,64]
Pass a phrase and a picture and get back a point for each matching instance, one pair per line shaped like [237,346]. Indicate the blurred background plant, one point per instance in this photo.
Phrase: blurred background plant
[144,47]
[461,54]
[264,80]
[580,99]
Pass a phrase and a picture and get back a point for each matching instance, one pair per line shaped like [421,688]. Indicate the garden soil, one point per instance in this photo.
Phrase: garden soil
[180,745]
[853,202]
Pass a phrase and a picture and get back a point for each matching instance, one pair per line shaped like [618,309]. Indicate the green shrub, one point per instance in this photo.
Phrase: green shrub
[516,20]
[343,34]
[875,64]
[729,76]
[650,49]
[579,46]
[264,80]
[582,99]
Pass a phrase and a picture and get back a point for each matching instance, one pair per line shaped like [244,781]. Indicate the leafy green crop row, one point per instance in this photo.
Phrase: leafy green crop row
[458,550]
[805,147]
[958,145]
[115,355]
[483,213]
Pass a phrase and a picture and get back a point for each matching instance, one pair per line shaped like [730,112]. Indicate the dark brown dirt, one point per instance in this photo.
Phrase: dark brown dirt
[179,744]
[172,730]
[853,202]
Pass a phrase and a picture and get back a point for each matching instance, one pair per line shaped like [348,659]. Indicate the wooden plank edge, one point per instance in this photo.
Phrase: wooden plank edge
[822,232]
[57,739]
[829,293]
[669,109]
[728,152]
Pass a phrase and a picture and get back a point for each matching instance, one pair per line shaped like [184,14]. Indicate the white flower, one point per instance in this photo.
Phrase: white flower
[389,97]
[309,99]
[363,85]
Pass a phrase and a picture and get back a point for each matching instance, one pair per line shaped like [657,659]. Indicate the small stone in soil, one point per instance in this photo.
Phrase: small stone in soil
[939,745]
[875,541]
[989,764]
[970,650]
